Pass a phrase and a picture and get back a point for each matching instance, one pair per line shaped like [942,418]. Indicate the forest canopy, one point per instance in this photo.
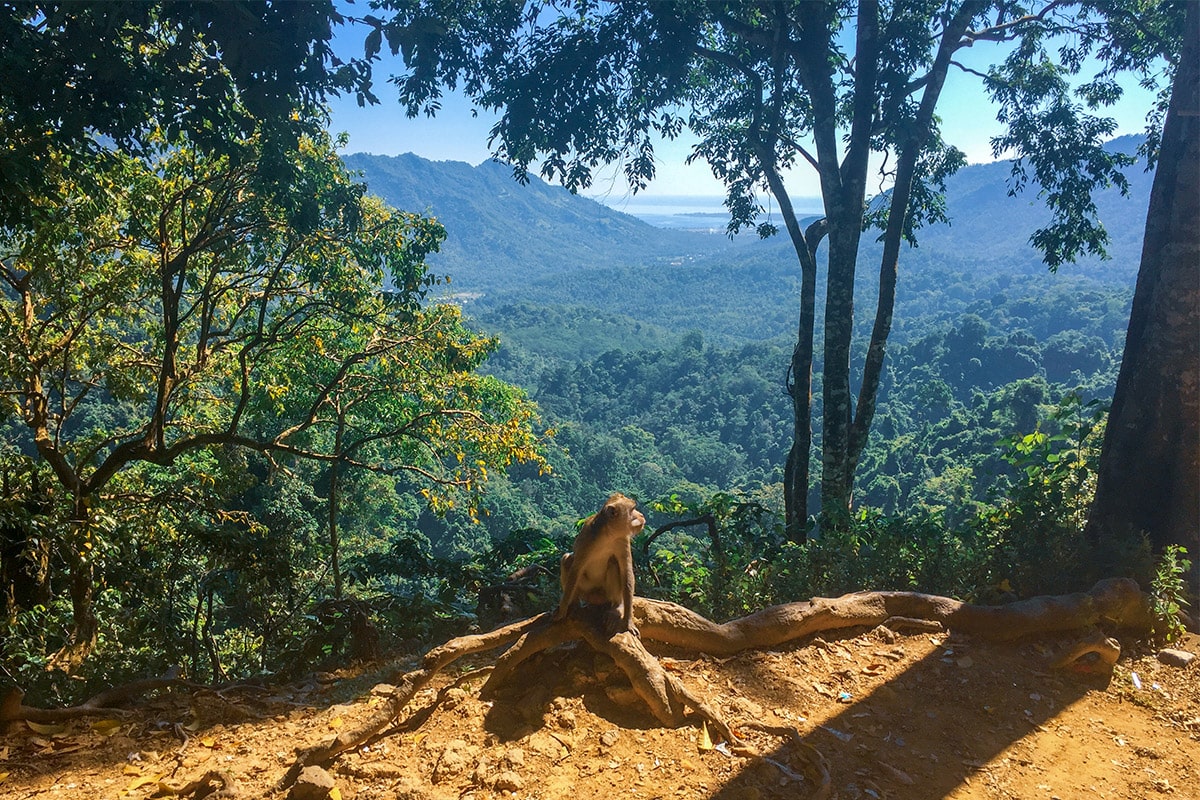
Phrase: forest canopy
[248,430]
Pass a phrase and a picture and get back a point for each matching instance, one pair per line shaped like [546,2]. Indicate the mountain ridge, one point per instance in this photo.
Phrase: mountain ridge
[512,247]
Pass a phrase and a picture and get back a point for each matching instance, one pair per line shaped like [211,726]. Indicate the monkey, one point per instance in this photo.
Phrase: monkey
[599,571]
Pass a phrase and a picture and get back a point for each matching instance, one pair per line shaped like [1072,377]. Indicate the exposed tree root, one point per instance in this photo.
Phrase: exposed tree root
[1117,602]
[1095,653]
[103,704]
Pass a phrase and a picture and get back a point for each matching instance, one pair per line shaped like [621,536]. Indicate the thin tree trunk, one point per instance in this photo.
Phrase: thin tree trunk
[844,207]
[799,387]
[906,169]
[335,469]
[1149,476]
[85,627]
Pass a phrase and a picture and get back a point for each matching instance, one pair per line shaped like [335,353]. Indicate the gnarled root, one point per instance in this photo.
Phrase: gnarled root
[1102,650]
[1117,602]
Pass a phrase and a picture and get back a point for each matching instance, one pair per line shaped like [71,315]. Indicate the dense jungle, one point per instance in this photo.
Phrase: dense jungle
[295,437]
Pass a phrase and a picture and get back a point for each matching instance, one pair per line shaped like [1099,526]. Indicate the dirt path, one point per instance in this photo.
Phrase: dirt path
[900,717]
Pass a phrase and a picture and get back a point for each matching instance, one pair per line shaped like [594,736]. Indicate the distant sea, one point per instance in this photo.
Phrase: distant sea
[688,212]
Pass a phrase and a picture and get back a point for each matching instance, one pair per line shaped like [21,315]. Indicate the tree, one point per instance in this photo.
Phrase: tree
[83,75]
[767,87]
[1149,474]
[155,307]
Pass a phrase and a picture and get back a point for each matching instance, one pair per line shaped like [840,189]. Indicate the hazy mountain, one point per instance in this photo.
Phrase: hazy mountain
[513,248]
[502,234]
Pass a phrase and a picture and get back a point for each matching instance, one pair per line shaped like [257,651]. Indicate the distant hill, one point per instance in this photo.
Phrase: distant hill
[513,248]
[502,234]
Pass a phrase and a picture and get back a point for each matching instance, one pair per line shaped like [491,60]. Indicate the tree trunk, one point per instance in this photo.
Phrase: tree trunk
[335,469]
[85,627]
[796,471]
[844,198]
[844,233]
[906,168]
[1149,476]
[799,385]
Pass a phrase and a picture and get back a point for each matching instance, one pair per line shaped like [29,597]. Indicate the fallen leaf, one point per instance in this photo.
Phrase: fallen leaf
[130,769]
[705,740]
[3,777]
[335,794]
[56,729]
[208,741]
[106,727]
[145,780]
[335,723]
[193,726]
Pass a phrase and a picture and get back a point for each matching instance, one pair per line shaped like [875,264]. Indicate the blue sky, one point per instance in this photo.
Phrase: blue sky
[456,134]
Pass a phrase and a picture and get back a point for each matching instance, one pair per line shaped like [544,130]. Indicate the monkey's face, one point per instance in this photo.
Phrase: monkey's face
[623,511]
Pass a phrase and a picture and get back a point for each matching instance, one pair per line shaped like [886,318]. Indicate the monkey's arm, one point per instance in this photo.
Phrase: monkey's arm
[568,578]
[627,592]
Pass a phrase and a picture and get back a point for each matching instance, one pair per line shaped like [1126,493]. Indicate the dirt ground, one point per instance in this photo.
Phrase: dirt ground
[894,716]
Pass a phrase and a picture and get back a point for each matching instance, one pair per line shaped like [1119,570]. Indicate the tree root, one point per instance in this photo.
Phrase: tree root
[1102,650]
[816,767]
[103,704]
[1116,602]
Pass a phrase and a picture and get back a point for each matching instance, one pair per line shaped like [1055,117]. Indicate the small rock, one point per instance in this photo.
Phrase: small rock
[546,745]
[566,719]
[515,757]
[609,738]
[508,781]
[454,760]
[313,783]
[454,697]
[1176,658]
[886,635]
[409,789]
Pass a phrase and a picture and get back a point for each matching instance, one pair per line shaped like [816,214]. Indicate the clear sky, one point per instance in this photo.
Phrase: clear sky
[968,121]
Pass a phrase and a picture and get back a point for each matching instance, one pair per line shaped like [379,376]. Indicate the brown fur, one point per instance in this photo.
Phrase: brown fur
[600,570]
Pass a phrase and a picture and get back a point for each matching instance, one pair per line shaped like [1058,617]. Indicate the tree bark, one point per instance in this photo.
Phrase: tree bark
[908,154]
[844,196]
[1149,475]
[85,627]
[799,387]
[335,473]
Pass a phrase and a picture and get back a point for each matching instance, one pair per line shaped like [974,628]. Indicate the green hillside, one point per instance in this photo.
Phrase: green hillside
[660,355]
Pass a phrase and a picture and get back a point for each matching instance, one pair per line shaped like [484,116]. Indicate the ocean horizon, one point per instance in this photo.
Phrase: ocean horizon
[689,212]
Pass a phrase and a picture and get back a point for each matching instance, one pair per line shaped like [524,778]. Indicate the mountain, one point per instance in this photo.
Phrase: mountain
[503,235]
[514,249]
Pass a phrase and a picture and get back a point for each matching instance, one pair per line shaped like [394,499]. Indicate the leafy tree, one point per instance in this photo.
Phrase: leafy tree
[1149,475]
[81,76]
[767,86]
[160,306]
